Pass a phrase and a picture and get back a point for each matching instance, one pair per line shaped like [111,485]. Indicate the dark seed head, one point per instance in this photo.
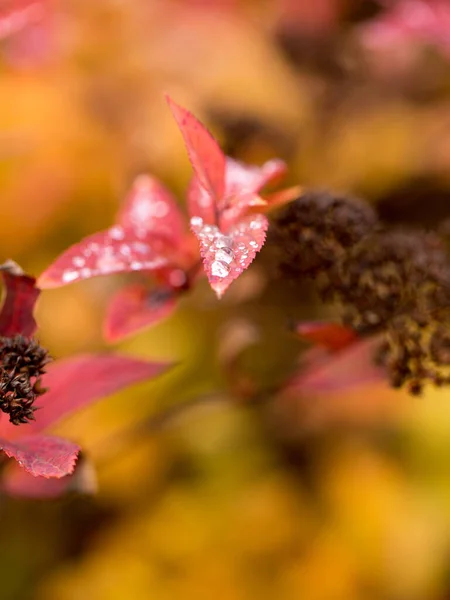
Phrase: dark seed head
[312,232]
[389,274]
[383,279]
[22,362]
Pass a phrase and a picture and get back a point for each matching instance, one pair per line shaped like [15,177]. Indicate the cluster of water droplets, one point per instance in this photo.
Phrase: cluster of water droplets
[114,253]
[217,248]
[147,209]
[229,254]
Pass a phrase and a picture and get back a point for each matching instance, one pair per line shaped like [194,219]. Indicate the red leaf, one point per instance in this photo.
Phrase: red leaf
[151,209]
[116,250]
[331,336]
[354,366]
[16,314]
[242,184]
[18,482]
[238,208]
[227,255]
[46,456]
[76,382]
[207,159]
[409,23]
[20,16]
[27,29]
[200,203]
[137,307]
[278,199]
[248,179]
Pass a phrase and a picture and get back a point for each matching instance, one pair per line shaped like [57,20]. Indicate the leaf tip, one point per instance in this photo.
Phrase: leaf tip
[45,281]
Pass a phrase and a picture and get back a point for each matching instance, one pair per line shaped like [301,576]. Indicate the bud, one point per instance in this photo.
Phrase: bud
[22,363]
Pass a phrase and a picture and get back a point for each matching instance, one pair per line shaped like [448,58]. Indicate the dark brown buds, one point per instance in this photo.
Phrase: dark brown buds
[22,362]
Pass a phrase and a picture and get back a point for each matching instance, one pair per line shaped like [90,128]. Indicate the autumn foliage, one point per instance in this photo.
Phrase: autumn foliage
[225,355]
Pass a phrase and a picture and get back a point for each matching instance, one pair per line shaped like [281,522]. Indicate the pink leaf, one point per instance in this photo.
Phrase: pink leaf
[16,315]
[238,208]
[135,308]
[116,250]
[412,23]
[45,456]
[28,32]
[242,184]
[331,336]
[18,17]
[354,366]
[74,383]
[248,179]
[227,255]
[18,482]
[151,209]
[278,199]
[207,159]
[200,203]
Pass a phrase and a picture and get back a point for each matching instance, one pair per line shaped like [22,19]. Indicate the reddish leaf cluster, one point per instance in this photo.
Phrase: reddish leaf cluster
[26,30]
[338,360]
[410,24]
[72,384]
[151,233]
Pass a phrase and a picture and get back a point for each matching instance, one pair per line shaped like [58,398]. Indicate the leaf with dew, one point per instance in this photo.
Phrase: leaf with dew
[116,250]
[205,154]
[150,209]
[226,256]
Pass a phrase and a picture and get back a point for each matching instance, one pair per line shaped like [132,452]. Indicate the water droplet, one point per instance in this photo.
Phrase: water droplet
[78,261]
[224,255]
[219,269]
[143,210]
[224,242]
[125,250]
[85,273]
[196,221]
[69,276]
[253,244]
[139,247]
[161,209]
[108,263]
[136,265]
[116,233]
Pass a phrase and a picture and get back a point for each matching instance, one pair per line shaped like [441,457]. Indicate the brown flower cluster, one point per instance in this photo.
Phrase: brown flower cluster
[22,362]
[384,280]
[317,228]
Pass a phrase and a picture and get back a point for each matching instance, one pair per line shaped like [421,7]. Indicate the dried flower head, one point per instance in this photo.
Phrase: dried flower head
[22,362]
[399,283]
[314,230]
[389,274]
[386,281]
[415,352]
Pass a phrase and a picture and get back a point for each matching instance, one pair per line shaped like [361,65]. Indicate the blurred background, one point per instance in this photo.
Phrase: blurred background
[199,492]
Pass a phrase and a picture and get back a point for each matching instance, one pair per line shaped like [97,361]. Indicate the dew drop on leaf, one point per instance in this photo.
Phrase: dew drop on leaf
[219,269]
